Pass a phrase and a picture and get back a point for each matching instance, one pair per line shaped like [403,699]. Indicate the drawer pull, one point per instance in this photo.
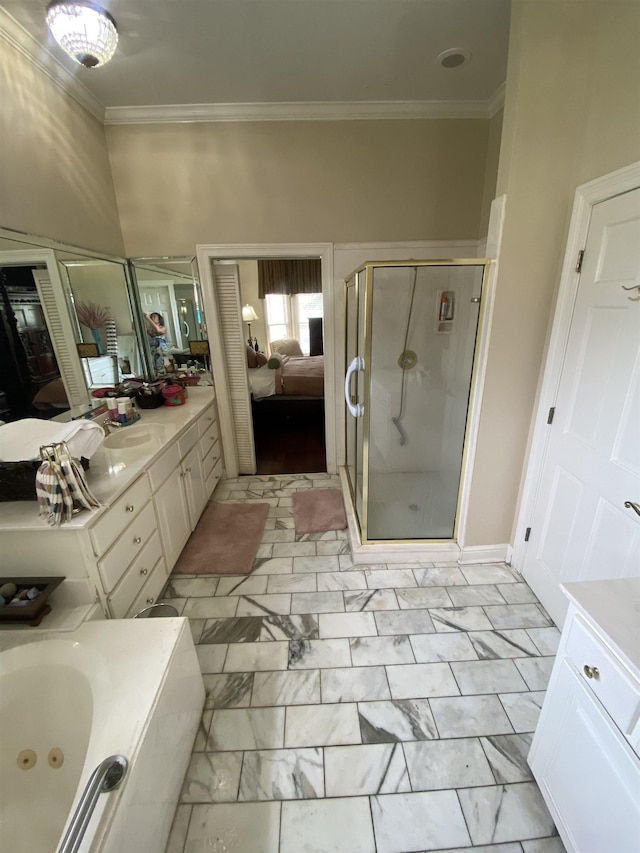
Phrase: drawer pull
[591,671]
[149,600]
[209,418]
[130,508]
[144,571]
[137,540]
[187,470]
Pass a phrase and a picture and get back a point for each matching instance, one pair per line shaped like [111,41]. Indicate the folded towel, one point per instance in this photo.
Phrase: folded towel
[22,440]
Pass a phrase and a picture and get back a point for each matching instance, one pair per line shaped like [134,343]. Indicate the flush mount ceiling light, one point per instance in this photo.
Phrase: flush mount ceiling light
[454,57]
[84,31]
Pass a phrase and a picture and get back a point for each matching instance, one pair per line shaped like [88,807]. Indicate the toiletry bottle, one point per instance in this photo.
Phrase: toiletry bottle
[112,405]
[122,413]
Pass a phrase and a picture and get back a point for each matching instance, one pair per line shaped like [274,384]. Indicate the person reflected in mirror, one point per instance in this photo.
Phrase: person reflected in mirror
[157,332]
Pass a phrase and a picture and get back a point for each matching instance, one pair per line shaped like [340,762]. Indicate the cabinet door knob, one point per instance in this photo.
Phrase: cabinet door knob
[137,540]
[149,600]
[144,571]
[130,508]
[591,671]
[187,470]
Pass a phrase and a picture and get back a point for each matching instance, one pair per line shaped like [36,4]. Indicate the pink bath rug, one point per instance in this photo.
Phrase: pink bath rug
[319,510]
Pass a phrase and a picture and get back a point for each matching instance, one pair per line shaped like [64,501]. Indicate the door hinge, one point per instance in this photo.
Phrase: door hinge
[527,534]
[551,414]
[579,261]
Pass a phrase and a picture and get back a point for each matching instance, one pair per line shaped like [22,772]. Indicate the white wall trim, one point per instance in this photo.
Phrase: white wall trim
[252,251]
[484,554]
[14,34]
[300,111]
[586,196]
[496,101]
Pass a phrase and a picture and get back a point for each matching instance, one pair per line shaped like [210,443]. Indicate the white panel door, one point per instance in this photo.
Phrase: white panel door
[581,529]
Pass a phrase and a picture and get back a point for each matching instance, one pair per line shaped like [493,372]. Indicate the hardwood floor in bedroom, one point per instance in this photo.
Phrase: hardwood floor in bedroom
[290,442]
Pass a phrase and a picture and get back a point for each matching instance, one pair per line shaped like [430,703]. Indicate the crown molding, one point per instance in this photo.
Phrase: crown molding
[496,101]
[297,111]
[15,34]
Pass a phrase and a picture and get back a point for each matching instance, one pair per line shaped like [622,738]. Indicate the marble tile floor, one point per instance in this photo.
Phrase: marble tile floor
[356,708]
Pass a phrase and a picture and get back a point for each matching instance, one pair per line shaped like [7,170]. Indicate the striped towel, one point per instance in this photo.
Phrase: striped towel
[62,488]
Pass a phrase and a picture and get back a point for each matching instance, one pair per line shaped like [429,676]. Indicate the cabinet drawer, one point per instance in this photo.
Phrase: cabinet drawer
[208,439]
[210,456]
[111,524]
[208,419]
[135,578]
[152,589]
[130,542]
[186,441]
[162,467]
[213,478]
[614,687]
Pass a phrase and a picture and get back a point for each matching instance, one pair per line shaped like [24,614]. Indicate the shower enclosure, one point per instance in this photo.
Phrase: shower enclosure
[411,329]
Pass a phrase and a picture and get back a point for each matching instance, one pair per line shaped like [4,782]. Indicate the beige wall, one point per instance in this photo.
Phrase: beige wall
[183,184]
[248,274]
[572,114]
[491,171]
[55,177]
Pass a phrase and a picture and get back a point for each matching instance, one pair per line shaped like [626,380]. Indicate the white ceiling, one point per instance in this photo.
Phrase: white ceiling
[274,51]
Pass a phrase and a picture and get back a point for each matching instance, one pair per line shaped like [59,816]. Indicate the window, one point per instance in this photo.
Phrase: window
[288,316]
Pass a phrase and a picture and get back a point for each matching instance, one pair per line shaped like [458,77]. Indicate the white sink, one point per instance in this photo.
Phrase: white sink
[127,437]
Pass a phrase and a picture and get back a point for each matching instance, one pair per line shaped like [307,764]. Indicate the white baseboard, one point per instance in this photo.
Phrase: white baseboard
[484,554]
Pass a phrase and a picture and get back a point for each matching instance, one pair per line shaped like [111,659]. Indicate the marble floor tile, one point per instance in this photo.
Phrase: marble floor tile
[263,553]
[491,645]
[313,563]
[328,581]
[517,616]
[354,684]
[282,774]
[377,651]
[317,602]
[190,587]
[211,657]
[485,676]
[333,549]
[443,576]
[517,593]
[319,654]
[399,720]
[489,574]
[286,688]
[422,597]
[505,813]
[507,755]
[202,734]
[347,625]
[389,578]
[546,639]
[294,549]
[464,716]
[303,627]
[209,608]
[245,827]
[212,777]
[317,826]
[256,657]
[476,594]
[228,691]
[442,764]
[196,626]
[535,671]
[273,566]
[460,619]
[263,605]
[291,583]
[404,622]
[372,599]
[237,629]
[431,648]
[322,725]
[420,821]
[490,848]
[242,585]
[422,681]
[179,827]
[523,709]
[352,771]
[278,536]
[246,728]
[544,845]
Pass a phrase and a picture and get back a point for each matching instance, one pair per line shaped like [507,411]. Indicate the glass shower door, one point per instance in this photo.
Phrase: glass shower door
[354,389]
[422,325]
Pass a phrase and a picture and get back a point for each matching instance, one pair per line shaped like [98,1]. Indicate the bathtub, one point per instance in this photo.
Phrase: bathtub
[68,700]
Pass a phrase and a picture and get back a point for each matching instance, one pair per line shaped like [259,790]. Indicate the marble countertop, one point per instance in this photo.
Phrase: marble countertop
[112,471]
[614,607]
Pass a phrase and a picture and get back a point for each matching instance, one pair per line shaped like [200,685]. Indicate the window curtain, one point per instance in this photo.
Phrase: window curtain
[289,276]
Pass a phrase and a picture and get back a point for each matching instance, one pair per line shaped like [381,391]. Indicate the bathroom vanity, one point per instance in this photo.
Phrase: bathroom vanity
[585,753]
[153,480]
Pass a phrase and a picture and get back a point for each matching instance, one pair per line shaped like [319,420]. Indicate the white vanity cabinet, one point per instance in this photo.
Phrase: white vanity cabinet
[585,751]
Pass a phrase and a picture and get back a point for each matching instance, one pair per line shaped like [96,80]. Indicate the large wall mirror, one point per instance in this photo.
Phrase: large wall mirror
[70,322]
[171,301]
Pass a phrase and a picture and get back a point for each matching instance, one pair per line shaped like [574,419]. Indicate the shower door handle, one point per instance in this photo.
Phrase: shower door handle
[357,409]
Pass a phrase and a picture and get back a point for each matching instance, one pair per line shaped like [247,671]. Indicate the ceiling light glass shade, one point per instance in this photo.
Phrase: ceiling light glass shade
[248,314]
[84,31]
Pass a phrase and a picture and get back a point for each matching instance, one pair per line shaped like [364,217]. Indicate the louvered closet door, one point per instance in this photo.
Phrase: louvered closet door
[227,285]
[62,337]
